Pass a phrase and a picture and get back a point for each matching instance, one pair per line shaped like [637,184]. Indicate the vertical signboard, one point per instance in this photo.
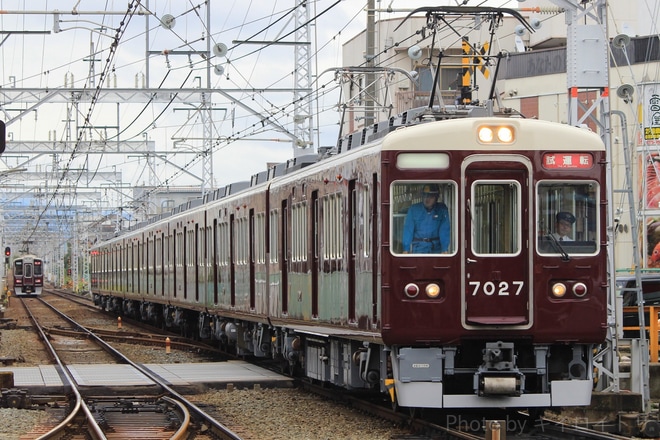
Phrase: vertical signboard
[648,147]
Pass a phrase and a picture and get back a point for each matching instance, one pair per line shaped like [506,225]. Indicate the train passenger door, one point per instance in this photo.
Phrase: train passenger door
[251,260]
[497,277]
[352,247]
[315,254]
[28,277]
[285,248]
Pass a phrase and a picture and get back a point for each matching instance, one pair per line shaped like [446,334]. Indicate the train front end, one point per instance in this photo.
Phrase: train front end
[28,276]
[483,303]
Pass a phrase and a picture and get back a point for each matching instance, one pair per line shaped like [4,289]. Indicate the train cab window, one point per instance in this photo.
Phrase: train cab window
[423,217]
[38,268]
[567,218]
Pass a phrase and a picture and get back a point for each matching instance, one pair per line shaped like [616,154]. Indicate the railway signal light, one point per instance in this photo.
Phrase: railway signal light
[7,251]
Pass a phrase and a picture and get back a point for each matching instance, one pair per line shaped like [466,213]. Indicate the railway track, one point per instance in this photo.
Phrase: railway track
[137,332]
[476,425]
[165,414]
[423,427]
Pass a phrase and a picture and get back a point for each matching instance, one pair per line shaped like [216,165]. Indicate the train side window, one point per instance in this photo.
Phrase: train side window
[576,202]
[422,217]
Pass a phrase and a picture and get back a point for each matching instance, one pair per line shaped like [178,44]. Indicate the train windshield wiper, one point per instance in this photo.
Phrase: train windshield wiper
[558,246]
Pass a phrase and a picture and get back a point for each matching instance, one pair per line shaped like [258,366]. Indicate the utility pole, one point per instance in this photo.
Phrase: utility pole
[370,54]
[302,115]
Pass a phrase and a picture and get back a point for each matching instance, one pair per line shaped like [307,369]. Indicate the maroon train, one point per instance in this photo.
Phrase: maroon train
[27,275]
[306,263]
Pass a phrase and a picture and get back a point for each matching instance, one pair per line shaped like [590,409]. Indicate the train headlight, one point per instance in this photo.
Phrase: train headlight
[579,289]
[559,290]
[503,134]
[411,290]
[432,290]
[486,135]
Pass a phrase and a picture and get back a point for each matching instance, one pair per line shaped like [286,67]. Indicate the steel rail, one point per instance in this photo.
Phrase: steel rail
[222,431]
[92,426]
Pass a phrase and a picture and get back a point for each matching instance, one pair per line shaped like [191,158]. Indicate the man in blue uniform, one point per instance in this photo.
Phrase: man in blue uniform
[426,227]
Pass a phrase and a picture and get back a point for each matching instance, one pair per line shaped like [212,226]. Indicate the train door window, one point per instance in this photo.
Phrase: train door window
[495,212]
[259,250]
[222,243]
[242,241]
[364,219]
[191,247]
[27,270]
[422,217]
[274,235]
[209,252]
[299,232]
[567,217]
[245,244]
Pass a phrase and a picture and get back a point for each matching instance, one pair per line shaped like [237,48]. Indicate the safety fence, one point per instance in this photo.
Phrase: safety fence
[651,325]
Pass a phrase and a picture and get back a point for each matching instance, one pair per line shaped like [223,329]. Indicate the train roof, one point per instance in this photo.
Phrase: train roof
[32,256]
[533,134]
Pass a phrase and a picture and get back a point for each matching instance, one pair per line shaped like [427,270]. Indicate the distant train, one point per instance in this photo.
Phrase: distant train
[27,274]
[314,263]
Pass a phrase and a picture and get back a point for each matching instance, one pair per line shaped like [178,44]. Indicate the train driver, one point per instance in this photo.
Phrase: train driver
[426,229]
[564,226]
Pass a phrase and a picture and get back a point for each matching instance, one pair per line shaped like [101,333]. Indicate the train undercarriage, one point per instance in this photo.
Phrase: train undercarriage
[478,373]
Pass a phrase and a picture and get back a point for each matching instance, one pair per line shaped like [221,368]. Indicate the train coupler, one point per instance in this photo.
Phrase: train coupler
[498,374]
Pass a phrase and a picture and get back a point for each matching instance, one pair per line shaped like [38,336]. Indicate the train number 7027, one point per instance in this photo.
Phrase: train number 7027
[503,288]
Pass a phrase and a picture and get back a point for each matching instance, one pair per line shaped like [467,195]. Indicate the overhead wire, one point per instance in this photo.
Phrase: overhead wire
[240,135]
[281,110]
[113,50]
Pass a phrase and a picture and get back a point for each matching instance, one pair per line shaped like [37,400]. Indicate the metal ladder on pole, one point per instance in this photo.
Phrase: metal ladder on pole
[639,373]
[588,21]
